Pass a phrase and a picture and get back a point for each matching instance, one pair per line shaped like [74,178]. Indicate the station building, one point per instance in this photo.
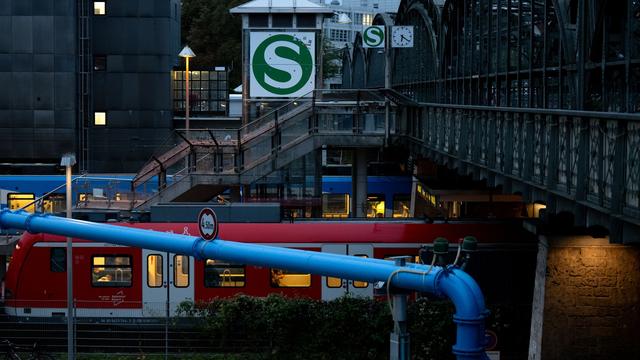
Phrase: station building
[84,76]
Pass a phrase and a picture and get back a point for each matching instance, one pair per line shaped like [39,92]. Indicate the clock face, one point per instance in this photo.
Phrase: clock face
[402,36]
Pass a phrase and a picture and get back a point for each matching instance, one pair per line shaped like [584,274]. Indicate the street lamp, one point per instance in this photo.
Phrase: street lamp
[187,53]
[68,160]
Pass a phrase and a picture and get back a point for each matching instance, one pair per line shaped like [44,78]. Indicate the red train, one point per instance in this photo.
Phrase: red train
[123,282]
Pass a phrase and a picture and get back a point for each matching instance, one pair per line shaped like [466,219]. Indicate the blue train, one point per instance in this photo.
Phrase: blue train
[387,196]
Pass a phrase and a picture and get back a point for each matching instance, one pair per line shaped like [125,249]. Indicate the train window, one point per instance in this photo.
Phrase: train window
[111,271]
[333,282]
[154,270]
[58,260]
[335,205]
[223,274]
[375,205]
[180,271]
[285,278]
[16,201]
[360,284]
[401,205]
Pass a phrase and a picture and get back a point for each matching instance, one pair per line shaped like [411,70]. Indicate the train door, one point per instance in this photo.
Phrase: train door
[178,270]
[333,288]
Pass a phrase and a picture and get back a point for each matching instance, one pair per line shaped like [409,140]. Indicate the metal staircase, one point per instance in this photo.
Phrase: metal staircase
[218,159]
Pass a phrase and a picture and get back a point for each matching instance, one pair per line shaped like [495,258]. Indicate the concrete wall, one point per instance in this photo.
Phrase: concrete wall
[37,74]
[591,300]
[140,40]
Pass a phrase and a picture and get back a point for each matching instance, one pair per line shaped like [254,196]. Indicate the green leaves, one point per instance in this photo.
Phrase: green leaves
[214,35]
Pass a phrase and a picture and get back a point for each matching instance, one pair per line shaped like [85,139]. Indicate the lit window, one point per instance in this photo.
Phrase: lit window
[180,271]
[99,8]
[335,205]
[223,274]
[154,270]
[401,205]
[100,119]
[285,278]
[16,201]
[111,271]
[375,205]
[333,282]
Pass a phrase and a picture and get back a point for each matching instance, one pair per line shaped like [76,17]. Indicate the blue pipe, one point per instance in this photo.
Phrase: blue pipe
[450,281]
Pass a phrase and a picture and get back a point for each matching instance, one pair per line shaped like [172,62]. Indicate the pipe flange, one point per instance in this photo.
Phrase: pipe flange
[27,222]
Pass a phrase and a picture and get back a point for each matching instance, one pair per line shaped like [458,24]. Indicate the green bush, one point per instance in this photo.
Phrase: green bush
[301,328]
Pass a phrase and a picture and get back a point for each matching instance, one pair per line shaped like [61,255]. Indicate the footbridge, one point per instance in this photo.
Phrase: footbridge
[205,162]
[584,164]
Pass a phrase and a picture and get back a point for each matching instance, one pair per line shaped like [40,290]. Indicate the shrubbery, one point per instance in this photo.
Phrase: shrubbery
[300,328]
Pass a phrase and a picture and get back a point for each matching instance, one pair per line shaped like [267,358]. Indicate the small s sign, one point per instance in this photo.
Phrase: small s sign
[208,224]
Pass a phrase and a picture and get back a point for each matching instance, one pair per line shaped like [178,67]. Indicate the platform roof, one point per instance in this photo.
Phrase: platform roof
[280,6]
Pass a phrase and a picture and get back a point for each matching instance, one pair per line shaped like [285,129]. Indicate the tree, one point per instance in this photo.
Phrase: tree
[331,60]
[214,35]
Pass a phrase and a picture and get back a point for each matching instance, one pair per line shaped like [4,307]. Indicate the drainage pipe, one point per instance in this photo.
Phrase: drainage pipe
[444,281]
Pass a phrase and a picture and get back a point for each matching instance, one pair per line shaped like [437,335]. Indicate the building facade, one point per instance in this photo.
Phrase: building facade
[89,77]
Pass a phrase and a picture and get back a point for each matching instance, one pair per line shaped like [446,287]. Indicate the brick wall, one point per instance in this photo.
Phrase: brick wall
[591,300]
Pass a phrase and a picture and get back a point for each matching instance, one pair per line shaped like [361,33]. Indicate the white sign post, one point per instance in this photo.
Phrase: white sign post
[208,224]
[282,64]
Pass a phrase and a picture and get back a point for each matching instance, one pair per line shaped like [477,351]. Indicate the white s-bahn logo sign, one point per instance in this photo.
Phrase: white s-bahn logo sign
[373,36]
[282,64]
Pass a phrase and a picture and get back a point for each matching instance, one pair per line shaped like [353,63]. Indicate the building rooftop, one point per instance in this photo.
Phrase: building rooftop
[280,6]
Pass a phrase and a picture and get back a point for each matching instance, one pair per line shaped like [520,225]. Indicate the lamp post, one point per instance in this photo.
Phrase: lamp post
[187,53]
[68,160]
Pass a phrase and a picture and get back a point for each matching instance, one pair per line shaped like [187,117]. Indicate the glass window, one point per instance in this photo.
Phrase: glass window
[154,270]
[335,205]
[258,20]
[111,271]
[223,274]
[99,63]
[58,260]
[306,20]
[281,20]
[16,201]
[360,284]
[401,205]
[99,8]
[100,118]
[375,205]
[180,271]
[285,278]
[333,282]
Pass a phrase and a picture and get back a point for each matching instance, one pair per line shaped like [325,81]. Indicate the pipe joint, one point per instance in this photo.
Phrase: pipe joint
[27,222]
[198,249]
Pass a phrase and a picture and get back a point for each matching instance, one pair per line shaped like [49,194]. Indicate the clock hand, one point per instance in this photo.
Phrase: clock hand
[403,38]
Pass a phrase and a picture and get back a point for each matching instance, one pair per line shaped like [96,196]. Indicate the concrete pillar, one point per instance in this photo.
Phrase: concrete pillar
[537,306]
[316,211]
[359,183]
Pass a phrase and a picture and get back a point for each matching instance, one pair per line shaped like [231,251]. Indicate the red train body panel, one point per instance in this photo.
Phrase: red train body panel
[35,283]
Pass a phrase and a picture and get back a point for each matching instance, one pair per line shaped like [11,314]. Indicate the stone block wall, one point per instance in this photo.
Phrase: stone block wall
[591,300]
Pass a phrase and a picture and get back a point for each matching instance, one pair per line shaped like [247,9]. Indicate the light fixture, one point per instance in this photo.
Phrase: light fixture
[343,18]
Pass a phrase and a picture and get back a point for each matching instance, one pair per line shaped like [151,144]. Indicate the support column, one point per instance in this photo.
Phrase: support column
[537,307]
[359,183]
[316,209]
[399,348]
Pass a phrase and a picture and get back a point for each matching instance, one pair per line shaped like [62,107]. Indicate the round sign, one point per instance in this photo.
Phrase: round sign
[491,339]
[208,224]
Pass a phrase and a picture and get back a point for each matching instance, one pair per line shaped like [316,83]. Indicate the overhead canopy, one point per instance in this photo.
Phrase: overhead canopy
[280,6]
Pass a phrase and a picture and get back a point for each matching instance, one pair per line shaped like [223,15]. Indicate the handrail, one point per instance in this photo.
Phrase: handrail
[52,191]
